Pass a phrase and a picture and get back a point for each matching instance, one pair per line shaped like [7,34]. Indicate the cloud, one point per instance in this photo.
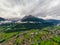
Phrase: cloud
[20,8]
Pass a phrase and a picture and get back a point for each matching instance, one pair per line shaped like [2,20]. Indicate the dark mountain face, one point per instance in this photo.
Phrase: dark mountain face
[31,18]
[48,22]
[2,19]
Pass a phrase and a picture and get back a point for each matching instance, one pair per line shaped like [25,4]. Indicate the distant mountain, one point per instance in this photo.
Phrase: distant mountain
[14,19]
[2,19]
[54,21]
[31,18]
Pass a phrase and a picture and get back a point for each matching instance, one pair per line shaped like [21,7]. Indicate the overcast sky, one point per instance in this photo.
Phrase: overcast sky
[39,8]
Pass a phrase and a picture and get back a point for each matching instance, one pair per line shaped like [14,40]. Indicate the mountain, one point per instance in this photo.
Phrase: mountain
[54,21]
[13,20]
[49,22]
[31,18]
[2,19]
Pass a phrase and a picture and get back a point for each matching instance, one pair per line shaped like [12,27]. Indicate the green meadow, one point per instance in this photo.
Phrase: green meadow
[29,34]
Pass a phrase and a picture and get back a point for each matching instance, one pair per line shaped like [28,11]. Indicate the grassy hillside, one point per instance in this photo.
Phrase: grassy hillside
[29,34]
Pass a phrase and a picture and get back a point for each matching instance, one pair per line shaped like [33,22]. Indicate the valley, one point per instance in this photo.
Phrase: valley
[29,34]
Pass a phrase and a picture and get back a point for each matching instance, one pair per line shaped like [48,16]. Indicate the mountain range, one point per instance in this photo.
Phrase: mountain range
[32,19]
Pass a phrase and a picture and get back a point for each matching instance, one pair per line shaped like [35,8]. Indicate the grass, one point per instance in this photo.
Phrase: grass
[17,35]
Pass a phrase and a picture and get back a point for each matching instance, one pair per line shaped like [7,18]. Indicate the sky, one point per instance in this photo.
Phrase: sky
[47,9]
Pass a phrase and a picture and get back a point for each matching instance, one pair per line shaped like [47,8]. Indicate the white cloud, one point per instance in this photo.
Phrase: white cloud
[54,3]
[20,8]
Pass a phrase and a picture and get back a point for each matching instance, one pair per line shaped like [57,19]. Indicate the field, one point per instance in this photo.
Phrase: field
[29,34]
